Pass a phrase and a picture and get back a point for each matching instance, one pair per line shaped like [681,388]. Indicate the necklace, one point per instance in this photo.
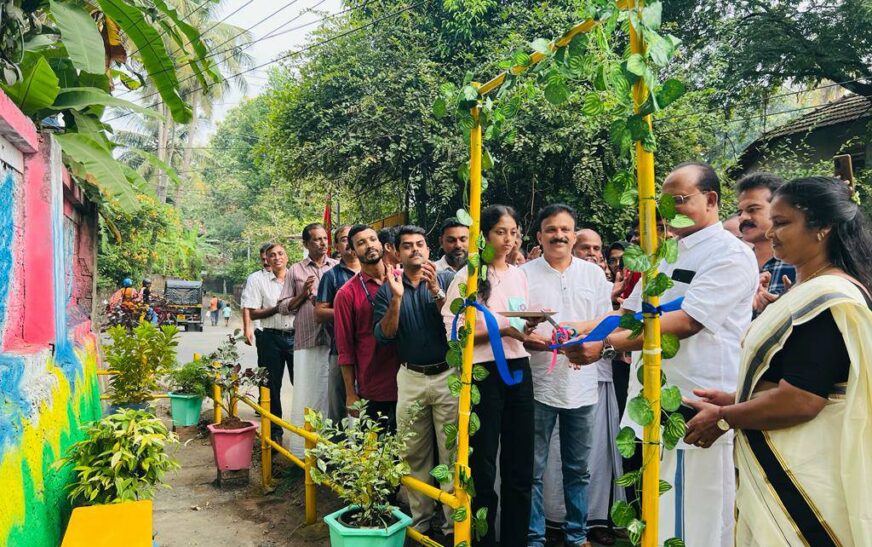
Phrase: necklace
[815,274]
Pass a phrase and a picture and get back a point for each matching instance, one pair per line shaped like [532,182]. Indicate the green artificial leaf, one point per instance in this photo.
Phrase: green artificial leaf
[474,394]
[641,376]
[669,92]
[454,357]
[440,108]
[626,442]
[668,250]
[670,344]
[541,45]
[479,373]
[664,487]
[488,253]
[667,206]
[649,141]
[38,86]
[652,14]
[670,398]
[152,52]
[636,259]
[482,274]
[629,479]
[639,410]
[469,93]
[99,167]
[620,136]
[612,192]
[474,423]
[622,513]
[681,221]
[556,92]
[464,217]
[577,46]
[635,529]
[638,127]
[628,197]
[674,430]
[674,542]
[479,523]
[454,385]
[459,514]
[659,51]
[441,473]
[456,305]
[658,285]
[80,36]
[592,105]
[521,58]
[629,322]
[636,64]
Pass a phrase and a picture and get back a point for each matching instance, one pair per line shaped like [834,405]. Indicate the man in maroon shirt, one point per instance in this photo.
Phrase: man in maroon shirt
[374,366]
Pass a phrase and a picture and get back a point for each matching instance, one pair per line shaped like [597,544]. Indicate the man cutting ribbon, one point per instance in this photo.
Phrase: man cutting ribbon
[717,277]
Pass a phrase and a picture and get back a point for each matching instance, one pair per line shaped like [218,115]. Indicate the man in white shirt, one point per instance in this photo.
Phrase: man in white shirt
[275,343]
[575,289]
[454,240]
[717,276]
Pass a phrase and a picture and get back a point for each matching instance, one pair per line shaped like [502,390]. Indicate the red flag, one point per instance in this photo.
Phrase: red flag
[327,225]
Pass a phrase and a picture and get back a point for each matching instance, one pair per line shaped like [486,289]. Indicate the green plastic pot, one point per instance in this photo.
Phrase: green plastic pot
[185,408]
[345,536]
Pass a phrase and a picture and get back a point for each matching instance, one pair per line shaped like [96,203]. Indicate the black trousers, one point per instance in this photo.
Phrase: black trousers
[384,411]
[506,415]
[275,351]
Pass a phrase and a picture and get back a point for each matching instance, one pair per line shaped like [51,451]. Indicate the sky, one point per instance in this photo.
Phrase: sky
[270,40]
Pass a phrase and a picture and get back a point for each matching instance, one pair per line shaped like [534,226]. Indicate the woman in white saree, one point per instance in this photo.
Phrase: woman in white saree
[803,407]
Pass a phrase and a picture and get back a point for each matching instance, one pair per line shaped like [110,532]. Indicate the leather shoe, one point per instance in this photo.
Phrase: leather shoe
[601,535]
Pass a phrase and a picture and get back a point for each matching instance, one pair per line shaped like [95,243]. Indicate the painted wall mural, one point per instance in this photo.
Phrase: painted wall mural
[48,354]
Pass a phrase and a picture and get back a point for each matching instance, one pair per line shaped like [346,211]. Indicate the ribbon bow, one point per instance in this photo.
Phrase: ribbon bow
[493,332]
[559,335]
[610,323]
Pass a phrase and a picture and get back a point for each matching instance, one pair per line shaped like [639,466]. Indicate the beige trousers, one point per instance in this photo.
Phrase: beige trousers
[438,407]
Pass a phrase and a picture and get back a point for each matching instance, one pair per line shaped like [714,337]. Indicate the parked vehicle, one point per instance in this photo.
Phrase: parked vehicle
[185,302]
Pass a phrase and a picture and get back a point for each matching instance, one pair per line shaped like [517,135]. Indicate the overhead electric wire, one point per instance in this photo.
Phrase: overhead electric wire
[164,32]
[293,53]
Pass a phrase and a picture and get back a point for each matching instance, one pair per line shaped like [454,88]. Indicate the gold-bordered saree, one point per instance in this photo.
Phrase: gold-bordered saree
[810,484]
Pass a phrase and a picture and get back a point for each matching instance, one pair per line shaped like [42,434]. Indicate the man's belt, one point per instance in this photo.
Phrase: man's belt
[280,332]
[427,370]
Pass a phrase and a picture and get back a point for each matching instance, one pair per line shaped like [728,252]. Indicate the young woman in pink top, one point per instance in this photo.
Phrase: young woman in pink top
[506,412]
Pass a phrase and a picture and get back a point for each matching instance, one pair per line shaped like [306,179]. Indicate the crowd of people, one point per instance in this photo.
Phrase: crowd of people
[774,363]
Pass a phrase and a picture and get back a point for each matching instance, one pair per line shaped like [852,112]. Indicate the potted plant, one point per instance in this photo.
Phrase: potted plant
[189,383]
[366,466]
[233,439]
[121,458]
[138,357]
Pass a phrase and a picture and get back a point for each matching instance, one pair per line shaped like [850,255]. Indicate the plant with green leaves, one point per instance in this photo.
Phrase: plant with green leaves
[123,457]
[234,381]
[583,69]
[192,378]
[139,357]
[364,462]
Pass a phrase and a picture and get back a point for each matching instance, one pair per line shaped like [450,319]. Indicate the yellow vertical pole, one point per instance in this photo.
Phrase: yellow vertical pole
[265,432]
[311,508]
[462,530]
[216,396]
[651,345]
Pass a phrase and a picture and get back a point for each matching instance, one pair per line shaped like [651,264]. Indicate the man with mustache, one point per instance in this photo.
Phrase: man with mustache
[573,288]
[311,342]
[408,313]
[755,192]
[454,240]
[369,369]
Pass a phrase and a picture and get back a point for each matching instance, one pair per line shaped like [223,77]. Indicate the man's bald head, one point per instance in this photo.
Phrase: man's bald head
[588,246]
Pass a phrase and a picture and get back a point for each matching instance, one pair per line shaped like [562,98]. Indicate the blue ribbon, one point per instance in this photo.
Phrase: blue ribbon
[610,323]
[493,333]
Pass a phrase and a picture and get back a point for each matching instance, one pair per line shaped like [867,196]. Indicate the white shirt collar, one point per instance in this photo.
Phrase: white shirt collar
[697,237]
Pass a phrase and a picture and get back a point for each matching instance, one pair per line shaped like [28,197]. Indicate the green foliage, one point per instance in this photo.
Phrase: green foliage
[122,458]
[193,378]
[139,358]
[365,463]
[228,373]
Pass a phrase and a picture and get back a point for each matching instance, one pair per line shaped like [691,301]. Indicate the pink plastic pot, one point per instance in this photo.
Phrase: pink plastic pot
[232,447]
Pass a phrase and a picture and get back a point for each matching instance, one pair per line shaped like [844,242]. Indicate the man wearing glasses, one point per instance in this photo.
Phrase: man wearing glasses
[717,276]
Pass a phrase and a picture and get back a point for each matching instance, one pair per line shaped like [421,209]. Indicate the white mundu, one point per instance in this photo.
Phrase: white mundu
[717,276]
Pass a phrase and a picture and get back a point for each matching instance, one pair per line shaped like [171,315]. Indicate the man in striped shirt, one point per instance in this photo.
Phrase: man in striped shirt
[311,343]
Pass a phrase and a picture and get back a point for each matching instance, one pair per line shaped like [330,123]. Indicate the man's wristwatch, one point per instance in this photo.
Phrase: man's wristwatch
[723,425]
[439,295]
[608,353]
